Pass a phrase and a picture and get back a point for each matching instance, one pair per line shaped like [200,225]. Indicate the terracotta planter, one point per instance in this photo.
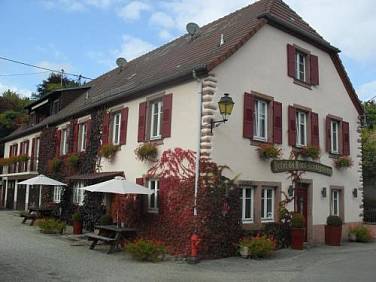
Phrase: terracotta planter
[297,238]
[77,227]
[333,235]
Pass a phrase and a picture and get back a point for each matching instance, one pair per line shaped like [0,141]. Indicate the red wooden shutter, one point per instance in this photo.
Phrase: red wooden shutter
[292,125]
[315,138]
[167,113]
[105,128]
[123,126]
[345,138]
[32,159]
[249,108]
[142,122]
[140,181]
[277,122]
[328,136]
[291,60]
[57,141]
[88,130]
[75,128]
[314,70]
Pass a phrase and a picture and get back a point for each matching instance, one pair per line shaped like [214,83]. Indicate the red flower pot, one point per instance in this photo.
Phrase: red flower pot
[333,235]
[297,238]
[77,227]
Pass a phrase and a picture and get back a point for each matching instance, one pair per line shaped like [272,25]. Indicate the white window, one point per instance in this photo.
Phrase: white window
[267,204]
[155,119]
[335,203]
[116,129]
[64,141]
[36,156]
[82,132]
[57,194]
[153,199]
[247,204]
[261,122]
[335,139]
[78,194]
[301,66]
[301,129]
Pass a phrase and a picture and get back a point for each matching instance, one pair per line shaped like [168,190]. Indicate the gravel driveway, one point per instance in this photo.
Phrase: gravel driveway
[27,255]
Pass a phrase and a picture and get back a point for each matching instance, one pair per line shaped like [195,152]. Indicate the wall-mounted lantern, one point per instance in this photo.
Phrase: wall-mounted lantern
[355,193]
[225,105]
[290,191]
[323,192]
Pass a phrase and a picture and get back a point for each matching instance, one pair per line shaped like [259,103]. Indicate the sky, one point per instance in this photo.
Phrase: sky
[86,36]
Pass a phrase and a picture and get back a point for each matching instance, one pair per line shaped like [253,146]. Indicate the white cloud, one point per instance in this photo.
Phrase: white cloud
[133,47]
[24,92]
[133,10]
[77,5]
[165,35]
[367,90]
[162,19]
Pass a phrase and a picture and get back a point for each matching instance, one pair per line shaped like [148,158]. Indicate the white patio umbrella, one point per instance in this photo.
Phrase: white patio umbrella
[39,180]
[118,185]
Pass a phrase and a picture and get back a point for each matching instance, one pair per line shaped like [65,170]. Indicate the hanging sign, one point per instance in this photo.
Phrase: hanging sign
[293,165]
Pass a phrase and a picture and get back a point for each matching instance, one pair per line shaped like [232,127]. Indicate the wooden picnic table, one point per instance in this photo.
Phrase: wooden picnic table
[35,213]
[112,235]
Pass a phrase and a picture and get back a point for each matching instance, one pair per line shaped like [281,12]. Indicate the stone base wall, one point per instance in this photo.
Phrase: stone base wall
[318,232]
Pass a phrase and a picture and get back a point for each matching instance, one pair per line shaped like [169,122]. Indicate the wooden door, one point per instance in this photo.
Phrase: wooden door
[301,204]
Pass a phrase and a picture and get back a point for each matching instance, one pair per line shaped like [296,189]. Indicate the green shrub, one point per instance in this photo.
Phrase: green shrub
[51,226]
[334,220]
[76,216]
[146,152]
[54,165]
[280,232]
[310,151]
[105,220]
[297,220]
[362,233]
[72,161]
[260,247]
[108,150]
[343,162]
[23,158]
[146,250]
[269,151]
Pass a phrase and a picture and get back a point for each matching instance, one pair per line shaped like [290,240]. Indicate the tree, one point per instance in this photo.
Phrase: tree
[370,110]
[53,82]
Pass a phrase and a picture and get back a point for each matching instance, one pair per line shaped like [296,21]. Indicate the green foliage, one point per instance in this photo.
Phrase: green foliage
[54,165]
[76,216]
[53,82]
[146,152]
[146,250]
[310,151]
[13,160]
[369,152]
[280,232]
[108,150]
[333,220]
[297,220]
[269,151]
[370,110]
[72,161]
[51,226]
[343,162]
[105,220]
[259,246]
[362,233]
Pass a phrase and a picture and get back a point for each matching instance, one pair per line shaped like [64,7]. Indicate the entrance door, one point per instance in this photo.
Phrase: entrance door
[301,204]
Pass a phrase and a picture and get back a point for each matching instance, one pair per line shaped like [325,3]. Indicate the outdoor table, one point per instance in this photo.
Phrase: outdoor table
[35,213]
[112,235]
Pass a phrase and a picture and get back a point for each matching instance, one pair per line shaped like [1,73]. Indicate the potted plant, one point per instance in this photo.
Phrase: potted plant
[343,162]
[310,152]
[72,161]
[54,165]
[77,225]
[333,230]
[146,152]
[269,151]
[108,150]
[297,231]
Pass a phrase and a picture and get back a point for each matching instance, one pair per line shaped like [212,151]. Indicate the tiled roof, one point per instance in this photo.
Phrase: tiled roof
[179,57]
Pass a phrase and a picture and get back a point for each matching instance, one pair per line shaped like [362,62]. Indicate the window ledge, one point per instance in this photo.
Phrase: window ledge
[302,83]
[153,211]
[257,142]
[334,155]
[156,142]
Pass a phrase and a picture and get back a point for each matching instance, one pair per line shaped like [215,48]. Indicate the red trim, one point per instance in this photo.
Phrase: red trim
[123,126]
[249,106]
[167,113]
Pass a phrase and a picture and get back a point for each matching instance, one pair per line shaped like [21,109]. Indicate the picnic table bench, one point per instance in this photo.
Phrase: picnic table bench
[29,216]
[35,213]
[111,235]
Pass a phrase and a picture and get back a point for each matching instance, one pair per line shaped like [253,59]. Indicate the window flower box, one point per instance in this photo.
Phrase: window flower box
[269,151]
[343,162]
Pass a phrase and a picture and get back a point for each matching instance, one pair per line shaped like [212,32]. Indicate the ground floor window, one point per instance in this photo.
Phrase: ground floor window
[153,199]
[267,204]
[57,194]
[78,194]
[247,196]
[335,204]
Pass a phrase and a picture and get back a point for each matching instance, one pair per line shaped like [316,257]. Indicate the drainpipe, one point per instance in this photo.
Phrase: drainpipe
[198,150]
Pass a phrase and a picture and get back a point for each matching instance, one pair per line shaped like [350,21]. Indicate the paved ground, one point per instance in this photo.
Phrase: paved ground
[27,255]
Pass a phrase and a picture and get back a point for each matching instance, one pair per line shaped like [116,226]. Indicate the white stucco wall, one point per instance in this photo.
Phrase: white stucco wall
[261,65]
[18,141]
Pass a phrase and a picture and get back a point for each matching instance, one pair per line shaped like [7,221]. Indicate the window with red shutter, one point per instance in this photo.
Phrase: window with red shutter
[75,126]
[315,138]
[142,122]
[277,122]
[105,128]
[88,130]
[291,61]
[123,126]
[57,142]
[292,125]
[32,158]
[345,138]
[249,105]
[167,114]
[314,70]
[328,138]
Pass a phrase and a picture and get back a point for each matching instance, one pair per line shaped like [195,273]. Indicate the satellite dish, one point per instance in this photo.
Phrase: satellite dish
[192,29]
[121,62]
